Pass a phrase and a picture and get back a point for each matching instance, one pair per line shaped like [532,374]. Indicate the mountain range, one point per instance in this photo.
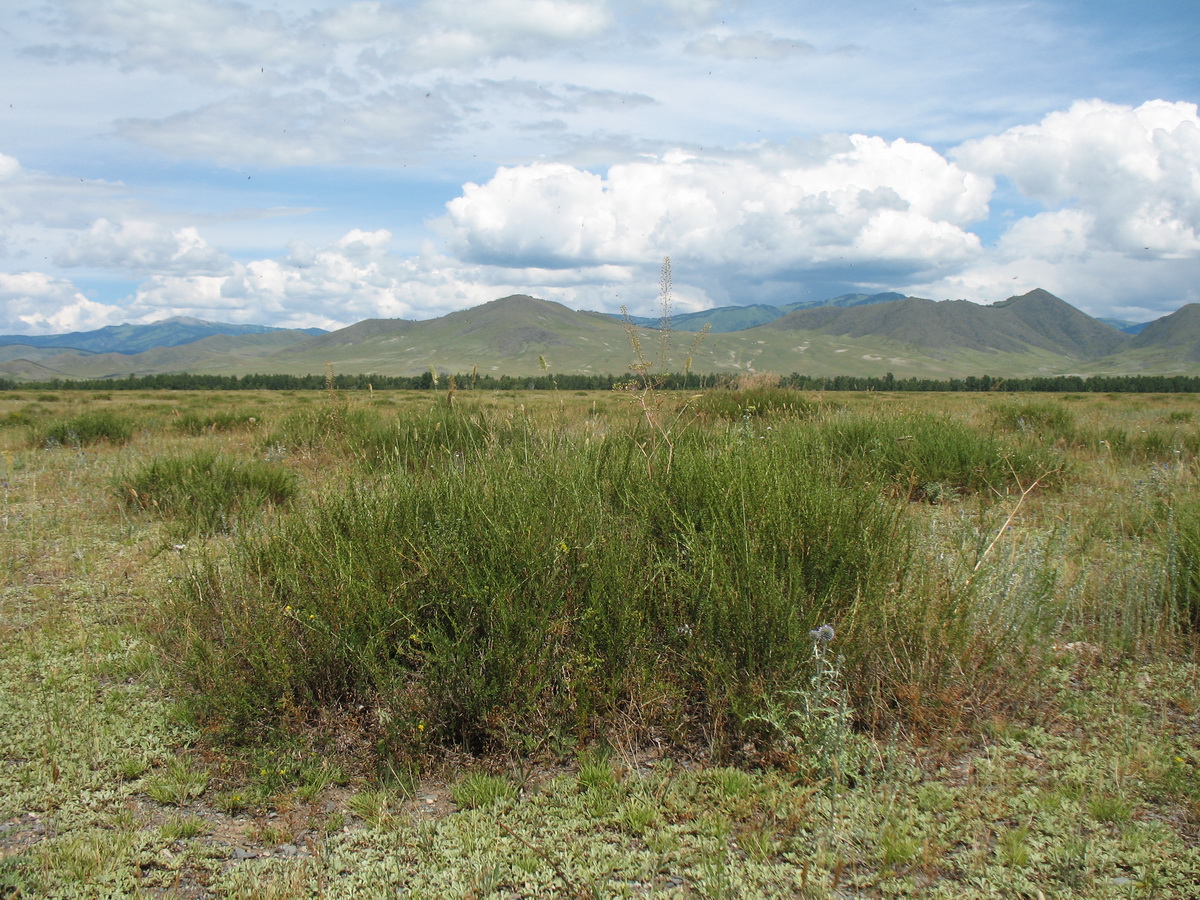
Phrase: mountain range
[739,318]
[856,334]
[172,332]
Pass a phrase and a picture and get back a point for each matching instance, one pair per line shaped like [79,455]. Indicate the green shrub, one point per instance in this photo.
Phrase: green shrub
[332,426]
[1183,558]
[204,493]
[1045,419]
[933,457]
[28,415]
[464,599]
[490,583]
[736,405]
[88,428]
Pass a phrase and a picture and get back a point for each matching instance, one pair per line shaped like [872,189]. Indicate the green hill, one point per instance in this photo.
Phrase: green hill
[1167,345]
[1034,334]
[172,332]
[739,318]
[219,352]
[845,301]
[1043,320]
[1037,320]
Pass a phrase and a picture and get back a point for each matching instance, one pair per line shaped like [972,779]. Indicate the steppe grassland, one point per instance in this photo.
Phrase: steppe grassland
[1008,703]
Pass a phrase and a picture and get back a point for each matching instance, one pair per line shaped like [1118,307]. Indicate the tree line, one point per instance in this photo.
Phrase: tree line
[182,381]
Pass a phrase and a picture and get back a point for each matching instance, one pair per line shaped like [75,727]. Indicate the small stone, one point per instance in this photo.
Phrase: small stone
[240,853]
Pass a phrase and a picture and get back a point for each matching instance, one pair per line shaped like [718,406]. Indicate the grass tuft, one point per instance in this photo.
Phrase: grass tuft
[479,789]
[87,429]
[204,493]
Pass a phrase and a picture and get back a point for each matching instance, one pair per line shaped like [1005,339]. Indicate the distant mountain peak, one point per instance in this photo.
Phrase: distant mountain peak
[175,331]
[854,334]
[1037,295]
[183,320]
[1180,332]
[751,315]
[1037,319]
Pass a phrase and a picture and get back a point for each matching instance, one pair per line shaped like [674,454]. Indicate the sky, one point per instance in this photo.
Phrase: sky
[311,163]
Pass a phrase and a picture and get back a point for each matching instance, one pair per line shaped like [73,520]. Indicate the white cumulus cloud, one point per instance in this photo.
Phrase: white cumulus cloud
[1119,234]
[354,277]
[34,302]
[142,247]
[850,200]
[1110,223]
[1134,172]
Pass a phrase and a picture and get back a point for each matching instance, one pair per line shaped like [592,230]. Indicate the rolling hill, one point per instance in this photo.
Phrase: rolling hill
[739,318]
[1033,334]
[233,352]
[1168,345]
[1034,320]
[173,332]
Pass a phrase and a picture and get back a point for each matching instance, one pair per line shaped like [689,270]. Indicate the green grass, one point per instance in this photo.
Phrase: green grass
[614,694]
[1181,535]
[177,784]
[929,457]
[757,402]
[212,422]
[87,429]
[479,789]
[1049,420]
[203,492]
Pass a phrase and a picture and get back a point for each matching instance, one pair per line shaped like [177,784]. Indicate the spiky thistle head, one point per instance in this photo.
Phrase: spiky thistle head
[822,635]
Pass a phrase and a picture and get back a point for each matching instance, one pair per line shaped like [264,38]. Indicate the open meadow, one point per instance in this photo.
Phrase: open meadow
[742,643]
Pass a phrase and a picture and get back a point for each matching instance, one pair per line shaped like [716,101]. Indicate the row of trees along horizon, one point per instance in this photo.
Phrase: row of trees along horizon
[183,381]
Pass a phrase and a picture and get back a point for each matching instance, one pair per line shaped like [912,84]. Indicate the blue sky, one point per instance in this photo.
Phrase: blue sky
[317,163]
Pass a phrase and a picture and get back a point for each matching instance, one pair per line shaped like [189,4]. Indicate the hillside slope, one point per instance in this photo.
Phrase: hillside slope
[219,352]
[1037,320]
[739,318]
[1034,334]
[130,339]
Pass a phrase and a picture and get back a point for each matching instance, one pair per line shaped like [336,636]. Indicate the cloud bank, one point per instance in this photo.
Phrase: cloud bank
[1119,227]
[196,158]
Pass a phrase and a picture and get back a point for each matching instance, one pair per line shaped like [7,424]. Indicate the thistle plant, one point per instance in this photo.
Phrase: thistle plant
[814,723]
